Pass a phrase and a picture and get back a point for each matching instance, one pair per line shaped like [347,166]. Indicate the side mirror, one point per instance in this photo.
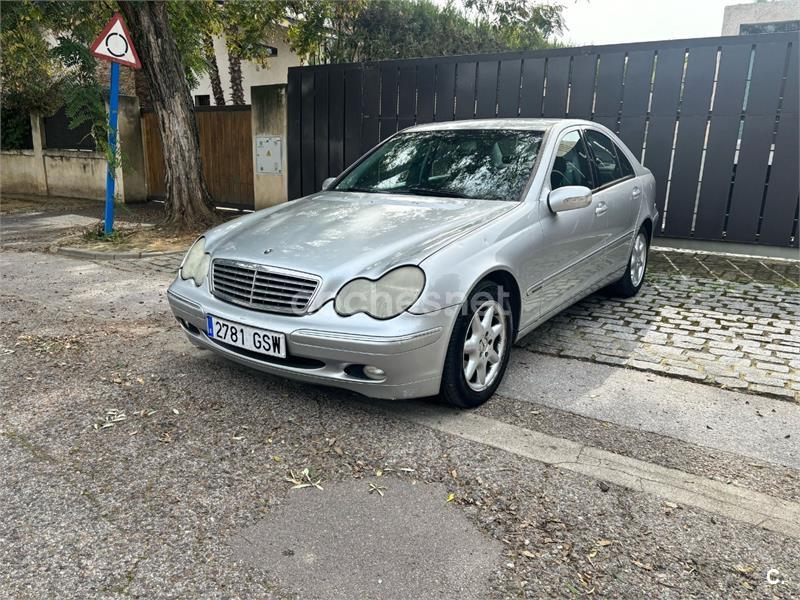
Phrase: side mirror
[327,183]
[569,197]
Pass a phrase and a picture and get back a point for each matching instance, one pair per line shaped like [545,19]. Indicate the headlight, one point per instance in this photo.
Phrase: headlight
[195,263]
[383,299]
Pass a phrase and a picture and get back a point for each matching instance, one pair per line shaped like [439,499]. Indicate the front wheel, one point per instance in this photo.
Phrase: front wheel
[631,282]
[479,348]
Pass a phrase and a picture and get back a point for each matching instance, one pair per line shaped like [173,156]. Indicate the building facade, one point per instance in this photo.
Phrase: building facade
[761,17]
[252,74]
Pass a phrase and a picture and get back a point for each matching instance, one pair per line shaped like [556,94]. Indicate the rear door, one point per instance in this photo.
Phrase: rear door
[574,240]
[617,192]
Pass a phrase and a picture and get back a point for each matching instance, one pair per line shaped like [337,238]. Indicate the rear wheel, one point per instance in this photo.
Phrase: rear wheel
[479,348]
[631,282]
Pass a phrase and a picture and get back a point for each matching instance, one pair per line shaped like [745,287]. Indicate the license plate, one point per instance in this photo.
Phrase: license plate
[263,341]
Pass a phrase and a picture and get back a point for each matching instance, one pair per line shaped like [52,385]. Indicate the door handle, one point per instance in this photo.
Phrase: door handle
[600,209]
[636,192]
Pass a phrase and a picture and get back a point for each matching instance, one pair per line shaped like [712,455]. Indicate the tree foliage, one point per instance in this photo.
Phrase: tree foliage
[331,31]
[46,62]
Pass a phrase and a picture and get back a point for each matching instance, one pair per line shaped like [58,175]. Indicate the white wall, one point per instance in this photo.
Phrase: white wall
[252,74]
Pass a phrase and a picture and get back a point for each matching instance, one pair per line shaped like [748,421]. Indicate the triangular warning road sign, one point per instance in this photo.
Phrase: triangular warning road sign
[115,44]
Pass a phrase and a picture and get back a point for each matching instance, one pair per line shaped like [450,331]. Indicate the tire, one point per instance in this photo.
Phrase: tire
[631,282]
[456,388]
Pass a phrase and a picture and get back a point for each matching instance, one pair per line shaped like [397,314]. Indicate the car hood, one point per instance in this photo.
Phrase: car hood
[342,235]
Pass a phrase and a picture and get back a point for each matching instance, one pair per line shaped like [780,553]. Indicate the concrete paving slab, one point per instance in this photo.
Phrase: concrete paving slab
[344,542]
[740,423]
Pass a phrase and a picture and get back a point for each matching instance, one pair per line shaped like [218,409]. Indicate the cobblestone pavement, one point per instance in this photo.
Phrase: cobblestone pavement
[732,322]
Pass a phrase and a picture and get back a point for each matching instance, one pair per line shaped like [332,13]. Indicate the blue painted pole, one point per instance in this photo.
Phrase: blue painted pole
[113,107]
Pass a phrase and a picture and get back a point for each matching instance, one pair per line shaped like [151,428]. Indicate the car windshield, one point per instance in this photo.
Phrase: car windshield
[490,164]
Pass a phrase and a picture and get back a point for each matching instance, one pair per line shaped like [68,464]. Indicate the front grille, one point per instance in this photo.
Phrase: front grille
[263,288]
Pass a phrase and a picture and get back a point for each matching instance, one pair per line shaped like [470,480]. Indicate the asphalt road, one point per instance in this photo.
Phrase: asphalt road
[194,492]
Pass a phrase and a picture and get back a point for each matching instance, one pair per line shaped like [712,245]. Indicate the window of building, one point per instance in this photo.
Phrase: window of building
[202,100]
[773,27]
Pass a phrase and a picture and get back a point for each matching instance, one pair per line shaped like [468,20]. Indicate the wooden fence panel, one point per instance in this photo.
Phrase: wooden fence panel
[426,99]
[226,152]
[581,95]
[557,86]
[723,135]
[608,93]
[352,116]
[532,94]
[154,156]
[508,88]
[226,149]
[692,127]
[756,140]
[779,222]
[406,96]
[465,90]
[487,90]
[636,99]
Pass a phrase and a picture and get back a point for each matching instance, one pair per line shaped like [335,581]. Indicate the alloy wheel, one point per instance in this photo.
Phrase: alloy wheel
[638,259]
[485,345]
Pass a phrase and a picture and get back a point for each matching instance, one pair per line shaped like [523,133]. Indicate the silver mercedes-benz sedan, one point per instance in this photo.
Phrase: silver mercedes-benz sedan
[413,272]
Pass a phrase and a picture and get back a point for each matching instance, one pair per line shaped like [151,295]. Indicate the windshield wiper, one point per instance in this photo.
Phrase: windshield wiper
[443,193]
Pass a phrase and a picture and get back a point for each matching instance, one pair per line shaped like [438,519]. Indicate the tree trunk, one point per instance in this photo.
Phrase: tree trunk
[235,70]
[213,71]
[188,204]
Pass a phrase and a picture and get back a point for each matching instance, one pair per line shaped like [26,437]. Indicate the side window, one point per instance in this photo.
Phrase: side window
[624,163]
[607,164]
[571,166]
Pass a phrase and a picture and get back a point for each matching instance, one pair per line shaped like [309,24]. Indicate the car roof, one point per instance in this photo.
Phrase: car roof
[515,123]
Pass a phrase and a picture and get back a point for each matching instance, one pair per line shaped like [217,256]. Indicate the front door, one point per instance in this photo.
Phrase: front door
[573,240]
[620,193]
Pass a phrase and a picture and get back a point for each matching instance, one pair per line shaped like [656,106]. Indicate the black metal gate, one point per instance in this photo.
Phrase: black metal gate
[715,119]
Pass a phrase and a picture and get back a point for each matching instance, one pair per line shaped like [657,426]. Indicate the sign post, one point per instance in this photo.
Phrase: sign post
[115,45]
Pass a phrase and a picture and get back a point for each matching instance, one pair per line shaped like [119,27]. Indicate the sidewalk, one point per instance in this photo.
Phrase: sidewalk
[34,224]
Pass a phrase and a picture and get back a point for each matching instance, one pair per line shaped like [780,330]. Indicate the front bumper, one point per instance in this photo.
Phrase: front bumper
[328,349]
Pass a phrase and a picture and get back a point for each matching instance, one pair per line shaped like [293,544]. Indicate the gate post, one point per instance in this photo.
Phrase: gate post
[268,117]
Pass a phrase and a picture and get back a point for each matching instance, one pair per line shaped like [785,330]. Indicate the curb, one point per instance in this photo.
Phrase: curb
[79,253]
[730,501]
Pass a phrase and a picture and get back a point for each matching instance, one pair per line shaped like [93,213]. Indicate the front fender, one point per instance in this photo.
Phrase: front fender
[452,272]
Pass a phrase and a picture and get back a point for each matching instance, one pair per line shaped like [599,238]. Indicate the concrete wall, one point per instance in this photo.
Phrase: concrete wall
[252,74]
[22,171]
[77,173]
[268,113]
[759,12]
